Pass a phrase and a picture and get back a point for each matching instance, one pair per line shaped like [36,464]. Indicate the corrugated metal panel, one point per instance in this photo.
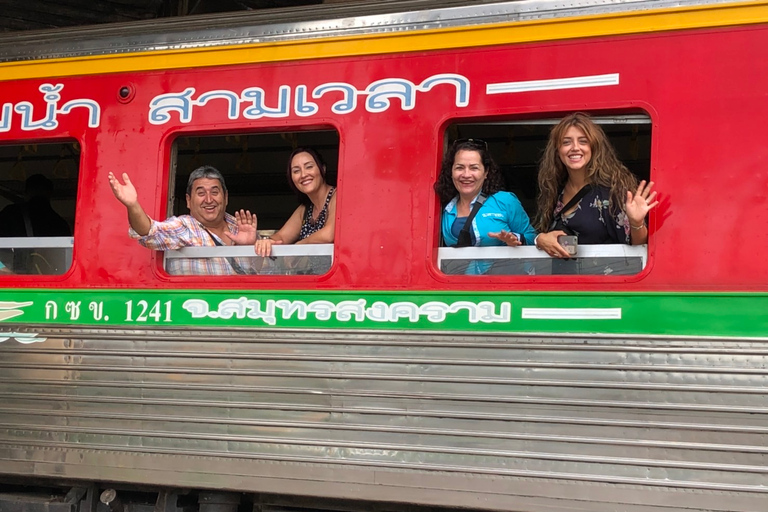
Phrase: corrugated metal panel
[656,424]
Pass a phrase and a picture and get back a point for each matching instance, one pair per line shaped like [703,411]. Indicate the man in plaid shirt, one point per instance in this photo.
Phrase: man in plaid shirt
[208,224]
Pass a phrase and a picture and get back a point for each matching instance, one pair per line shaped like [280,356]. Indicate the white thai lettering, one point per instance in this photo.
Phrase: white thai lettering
[251,102]
[49,121]
[349,310]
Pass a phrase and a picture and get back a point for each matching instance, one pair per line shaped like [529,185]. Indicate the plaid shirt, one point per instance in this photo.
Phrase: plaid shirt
[186,231]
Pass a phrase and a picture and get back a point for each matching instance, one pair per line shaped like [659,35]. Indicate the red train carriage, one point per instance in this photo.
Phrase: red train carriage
[367,370]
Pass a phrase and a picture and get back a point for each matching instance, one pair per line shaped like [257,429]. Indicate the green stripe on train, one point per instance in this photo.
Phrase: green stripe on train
[700,314]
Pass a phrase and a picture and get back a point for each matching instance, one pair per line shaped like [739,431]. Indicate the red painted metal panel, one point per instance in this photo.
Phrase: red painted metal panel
[705,91]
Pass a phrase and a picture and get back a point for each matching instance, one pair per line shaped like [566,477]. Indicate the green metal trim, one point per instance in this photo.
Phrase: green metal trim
[686,314]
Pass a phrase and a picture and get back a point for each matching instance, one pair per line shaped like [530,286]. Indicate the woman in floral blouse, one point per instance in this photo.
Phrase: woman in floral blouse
[612,208]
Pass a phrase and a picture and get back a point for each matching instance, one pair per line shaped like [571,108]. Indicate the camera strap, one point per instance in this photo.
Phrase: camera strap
[232,262]
[559,222]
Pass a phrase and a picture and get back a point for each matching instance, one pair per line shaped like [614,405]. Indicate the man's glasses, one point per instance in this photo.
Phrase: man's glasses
[478,143]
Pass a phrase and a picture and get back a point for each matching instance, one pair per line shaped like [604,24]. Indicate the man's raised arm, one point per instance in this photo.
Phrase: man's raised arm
[126,194]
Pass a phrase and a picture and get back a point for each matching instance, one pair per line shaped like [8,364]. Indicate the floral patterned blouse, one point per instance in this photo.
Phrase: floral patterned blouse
[592,220]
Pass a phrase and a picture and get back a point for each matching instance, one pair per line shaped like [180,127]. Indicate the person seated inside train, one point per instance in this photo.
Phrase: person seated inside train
[314,220]
[469,188]
[584,190]
[207,225]
[34,216]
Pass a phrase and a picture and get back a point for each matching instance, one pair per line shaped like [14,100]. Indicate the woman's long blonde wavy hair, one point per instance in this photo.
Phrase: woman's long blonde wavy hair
[604,169]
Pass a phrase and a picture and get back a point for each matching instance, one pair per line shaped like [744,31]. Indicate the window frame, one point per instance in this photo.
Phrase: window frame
[171,161]
[616,117]
[48,242]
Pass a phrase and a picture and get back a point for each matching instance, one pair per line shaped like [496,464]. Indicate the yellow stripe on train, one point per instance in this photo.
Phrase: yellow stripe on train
[681,18]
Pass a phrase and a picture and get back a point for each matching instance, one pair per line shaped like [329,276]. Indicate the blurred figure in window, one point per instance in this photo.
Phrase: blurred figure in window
[35,216]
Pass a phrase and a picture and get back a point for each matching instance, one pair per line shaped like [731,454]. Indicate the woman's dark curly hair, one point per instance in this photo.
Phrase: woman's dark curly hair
[493,179]
[318,158]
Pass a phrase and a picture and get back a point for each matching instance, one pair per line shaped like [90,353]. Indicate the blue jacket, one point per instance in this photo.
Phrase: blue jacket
[502,210]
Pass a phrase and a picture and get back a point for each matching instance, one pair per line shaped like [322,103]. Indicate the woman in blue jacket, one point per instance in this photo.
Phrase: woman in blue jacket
[467,171]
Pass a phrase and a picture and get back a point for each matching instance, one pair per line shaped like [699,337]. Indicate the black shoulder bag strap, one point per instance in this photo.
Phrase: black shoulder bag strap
[465,240]
[559,223]
[232,263]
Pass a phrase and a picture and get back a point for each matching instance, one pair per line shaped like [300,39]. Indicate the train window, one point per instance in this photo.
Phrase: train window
[254,167]
[517,147]
[38,188]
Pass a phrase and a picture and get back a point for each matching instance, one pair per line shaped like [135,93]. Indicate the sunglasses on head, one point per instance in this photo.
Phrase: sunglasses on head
[478,143]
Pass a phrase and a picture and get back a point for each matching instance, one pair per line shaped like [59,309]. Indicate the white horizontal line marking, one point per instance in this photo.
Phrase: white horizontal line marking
[553,84]
[572,313]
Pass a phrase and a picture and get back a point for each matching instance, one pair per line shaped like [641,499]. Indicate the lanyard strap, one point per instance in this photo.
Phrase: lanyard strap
[465,240]
[232,263]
